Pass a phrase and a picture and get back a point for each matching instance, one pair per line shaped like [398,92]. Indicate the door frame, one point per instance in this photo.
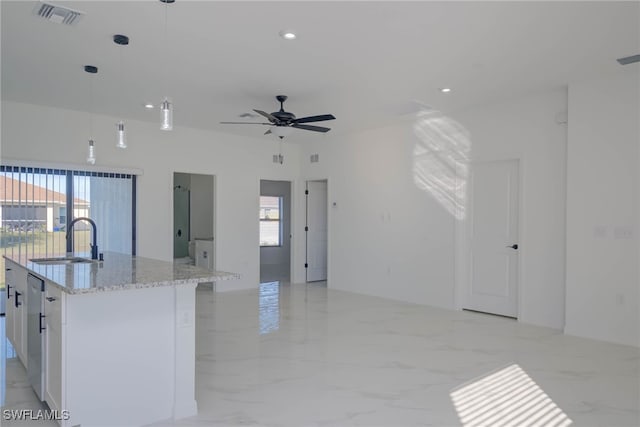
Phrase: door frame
[462,239]
[215,210]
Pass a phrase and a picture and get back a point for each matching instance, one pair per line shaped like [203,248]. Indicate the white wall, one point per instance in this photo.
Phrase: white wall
[54,135]
[603,283]
[387,237]
[392,237]
[527,129]
[275,261]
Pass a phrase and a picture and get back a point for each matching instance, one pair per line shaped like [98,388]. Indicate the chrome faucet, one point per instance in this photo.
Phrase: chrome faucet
[94,246]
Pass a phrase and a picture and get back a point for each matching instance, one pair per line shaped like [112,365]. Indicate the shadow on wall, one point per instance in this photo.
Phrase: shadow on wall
[441,159]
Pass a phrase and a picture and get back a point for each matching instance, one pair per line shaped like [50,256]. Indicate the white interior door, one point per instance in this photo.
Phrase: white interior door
[493,284]
[316,264]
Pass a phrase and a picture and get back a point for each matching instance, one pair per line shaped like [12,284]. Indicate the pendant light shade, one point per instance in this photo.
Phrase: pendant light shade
[121,135]
[91,155]
[166,112]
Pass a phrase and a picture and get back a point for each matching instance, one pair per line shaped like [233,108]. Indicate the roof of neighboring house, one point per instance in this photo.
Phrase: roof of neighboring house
[16,190]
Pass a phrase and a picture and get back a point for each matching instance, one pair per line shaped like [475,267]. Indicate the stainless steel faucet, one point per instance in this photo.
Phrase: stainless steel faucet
[94,245]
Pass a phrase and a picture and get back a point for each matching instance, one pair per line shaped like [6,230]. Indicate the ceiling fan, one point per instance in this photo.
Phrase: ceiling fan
[282,122]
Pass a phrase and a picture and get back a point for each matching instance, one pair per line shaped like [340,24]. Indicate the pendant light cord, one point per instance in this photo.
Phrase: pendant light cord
[166,42]
[91,107]
[122,78]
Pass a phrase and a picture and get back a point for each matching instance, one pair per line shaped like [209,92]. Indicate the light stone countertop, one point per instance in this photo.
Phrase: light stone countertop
[119,272]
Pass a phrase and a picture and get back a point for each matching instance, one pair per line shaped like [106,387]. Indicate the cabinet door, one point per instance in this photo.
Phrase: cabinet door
[20,305]
[10,308]
[54,367]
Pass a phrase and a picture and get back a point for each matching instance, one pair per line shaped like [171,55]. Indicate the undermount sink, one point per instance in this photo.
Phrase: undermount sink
[61,260]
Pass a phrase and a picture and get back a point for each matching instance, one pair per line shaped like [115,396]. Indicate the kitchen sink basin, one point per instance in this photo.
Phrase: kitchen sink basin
[61,260]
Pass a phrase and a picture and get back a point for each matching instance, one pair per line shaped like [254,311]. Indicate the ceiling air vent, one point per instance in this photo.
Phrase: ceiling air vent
[57,14]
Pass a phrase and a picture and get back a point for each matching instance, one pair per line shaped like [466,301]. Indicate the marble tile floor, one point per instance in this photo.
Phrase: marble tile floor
[305,355]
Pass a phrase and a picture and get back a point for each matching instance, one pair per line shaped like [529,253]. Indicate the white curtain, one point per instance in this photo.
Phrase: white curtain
[110,207]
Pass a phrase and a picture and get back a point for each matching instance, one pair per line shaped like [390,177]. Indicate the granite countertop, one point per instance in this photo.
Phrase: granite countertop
[119,272]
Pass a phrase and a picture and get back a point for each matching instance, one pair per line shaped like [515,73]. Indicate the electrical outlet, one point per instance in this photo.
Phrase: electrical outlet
[185,319]
[623,232]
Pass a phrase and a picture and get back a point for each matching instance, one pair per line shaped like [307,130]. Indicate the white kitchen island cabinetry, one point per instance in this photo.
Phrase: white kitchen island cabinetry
[16,308]
[119,338]
[55,362]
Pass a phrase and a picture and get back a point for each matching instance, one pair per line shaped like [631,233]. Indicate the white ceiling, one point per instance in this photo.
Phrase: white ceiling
[365,62]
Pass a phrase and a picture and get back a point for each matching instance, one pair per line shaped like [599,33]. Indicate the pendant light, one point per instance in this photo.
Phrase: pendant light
[121,136]
[91,153]
[166,107]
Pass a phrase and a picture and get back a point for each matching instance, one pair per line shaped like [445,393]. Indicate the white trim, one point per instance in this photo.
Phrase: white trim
[70,166]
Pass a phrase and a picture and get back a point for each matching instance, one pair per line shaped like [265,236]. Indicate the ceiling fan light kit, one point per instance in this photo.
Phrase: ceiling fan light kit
[281,131]
[283,122]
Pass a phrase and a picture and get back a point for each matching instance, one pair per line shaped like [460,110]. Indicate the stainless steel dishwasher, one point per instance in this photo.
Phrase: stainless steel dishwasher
[35,335]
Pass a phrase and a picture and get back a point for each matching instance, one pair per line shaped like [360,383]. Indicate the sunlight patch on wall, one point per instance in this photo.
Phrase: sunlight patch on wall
[508,397]
[440,159]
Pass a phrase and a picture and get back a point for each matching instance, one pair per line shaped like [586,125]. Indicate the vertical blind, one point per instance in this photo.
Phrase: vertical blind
[37,205]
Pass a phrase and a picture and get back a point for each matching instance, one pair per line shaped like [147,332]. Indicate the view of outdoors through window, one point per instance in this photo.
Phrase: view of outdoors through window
[270,221]
[34,216]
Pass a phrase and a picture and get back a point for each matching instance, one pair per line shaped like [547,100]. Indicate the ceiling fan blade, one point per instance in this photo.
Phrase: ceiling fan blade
[309,127]
[244,123]
[267,132]
[267,115]
[319,118]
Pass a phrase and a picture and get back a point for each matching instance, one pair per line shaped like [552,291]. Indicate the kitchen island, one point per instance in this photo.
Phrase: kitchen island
[118,336]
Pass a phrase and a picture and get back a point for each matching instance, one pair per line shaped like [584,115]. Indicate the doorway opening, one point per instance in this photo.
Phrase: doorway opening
[275,231]
[193,219]
[316,231]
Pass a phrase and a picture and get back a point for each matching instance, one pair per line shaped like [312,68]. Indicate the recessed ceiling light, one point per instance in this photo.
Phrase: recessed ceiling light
[288,35]
[148,106]
[445,90]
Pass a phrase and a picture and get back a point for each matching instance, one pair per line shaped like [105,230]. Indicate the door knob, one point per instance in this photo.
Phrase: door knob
[513,246]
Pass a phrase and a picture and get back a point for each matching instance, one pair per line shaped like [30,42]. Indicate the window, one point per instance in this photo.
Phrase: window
[270,221]
[37,205]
